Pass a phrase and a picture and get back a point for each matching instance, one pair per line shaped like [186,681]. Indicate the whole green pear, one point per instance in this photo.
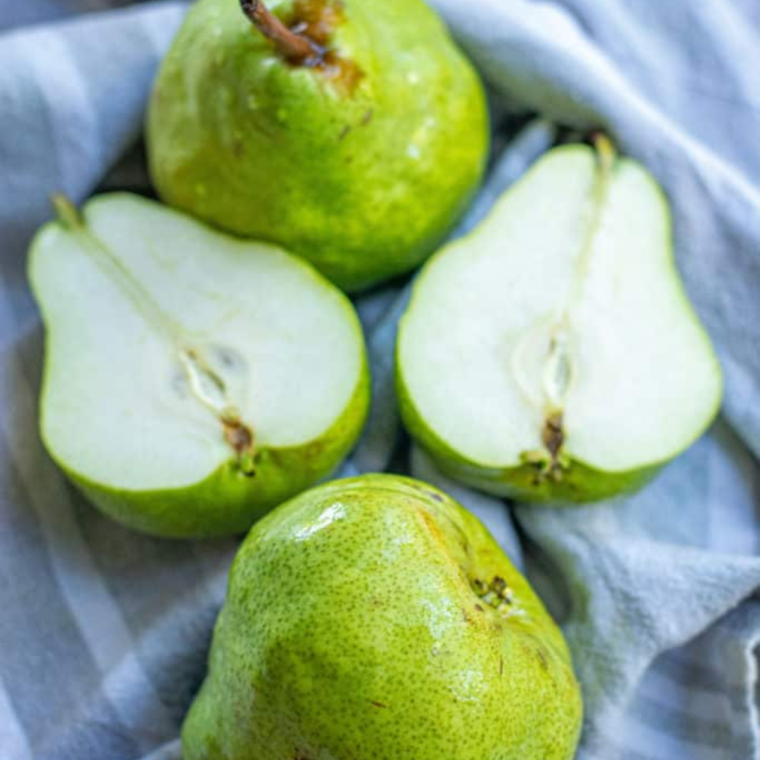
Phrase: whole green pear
[352,133]
[374,618]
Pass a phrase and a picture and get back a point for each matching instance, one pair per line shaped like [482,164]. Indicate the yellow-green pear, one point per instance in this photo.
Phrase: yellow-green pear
[376,619]
[351,132]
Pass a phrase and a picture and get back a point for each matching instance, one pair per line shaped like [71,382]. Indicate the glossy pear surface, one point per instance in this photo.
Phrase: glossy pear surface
[361,164]
[192,381]
[376,618]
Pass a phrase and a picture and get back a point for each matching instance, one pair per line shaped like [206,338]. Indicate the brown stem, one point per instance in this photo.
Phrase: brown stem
[294,47]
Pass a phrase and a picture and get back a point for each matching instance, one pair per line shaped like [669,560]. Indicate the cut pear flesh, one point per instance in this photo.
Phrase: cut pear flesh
[173,349]
[559,329]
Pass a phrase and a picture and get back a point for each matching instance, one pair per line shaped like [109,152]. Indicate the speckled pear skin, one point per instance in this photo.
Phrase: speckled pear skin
[364,178]
[356,628]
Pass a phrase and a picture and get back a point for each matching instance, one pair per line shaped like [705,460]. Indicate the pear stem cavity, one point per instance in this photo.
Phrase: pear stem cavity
[294,47]
[206,386]
[204,383]
[558,369]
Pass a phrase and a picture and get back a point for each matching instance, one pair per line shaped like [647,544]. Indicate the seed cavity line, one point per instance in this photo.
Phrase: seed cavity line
[206,385]
[558,371]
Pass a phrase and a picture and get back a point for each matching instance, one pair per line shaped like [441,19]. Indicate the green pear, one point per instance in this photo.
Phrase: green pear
[192,381]
[375,618]
[352,133]
[552,355]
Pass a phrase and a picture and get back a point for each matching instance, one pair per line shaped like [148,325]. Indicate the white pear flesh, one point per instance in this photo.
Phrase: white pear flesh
[565,301]
[159,328]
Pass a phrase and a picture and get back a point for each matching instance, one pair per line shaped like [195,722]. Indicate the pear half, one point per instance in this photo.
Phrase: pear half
[374,618]
[192,381]
[552,355]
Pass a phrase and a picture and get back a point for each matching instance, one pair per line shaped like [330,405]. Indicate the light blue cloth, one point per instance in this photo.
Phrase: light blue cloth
[103,632]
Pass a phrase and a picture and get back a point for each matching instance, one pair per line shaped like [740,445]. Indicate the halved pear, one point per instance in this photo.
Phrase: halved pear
[552,355]
[192,381]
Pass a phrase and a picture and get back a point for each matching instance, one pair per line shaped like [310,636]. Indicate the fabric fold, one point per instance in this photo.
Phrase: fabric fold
[657,592]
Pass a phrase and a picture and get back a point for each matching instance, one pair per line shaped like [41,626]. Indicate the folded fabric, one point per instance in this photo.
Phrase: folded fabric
[104,633]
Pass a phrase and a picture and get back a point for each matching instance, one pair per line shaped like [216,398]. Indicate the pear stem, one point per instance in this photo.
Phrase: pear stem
[67,213]
[605,151]
[293,47]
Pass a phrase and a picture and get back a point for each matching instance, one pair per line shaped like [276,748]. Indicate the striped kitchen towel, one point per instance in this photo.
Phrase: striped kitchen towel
[103,632]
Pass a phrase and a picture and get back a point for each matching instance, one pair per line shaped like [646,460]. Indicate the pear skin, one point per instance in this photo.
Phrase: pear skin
[375,618]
